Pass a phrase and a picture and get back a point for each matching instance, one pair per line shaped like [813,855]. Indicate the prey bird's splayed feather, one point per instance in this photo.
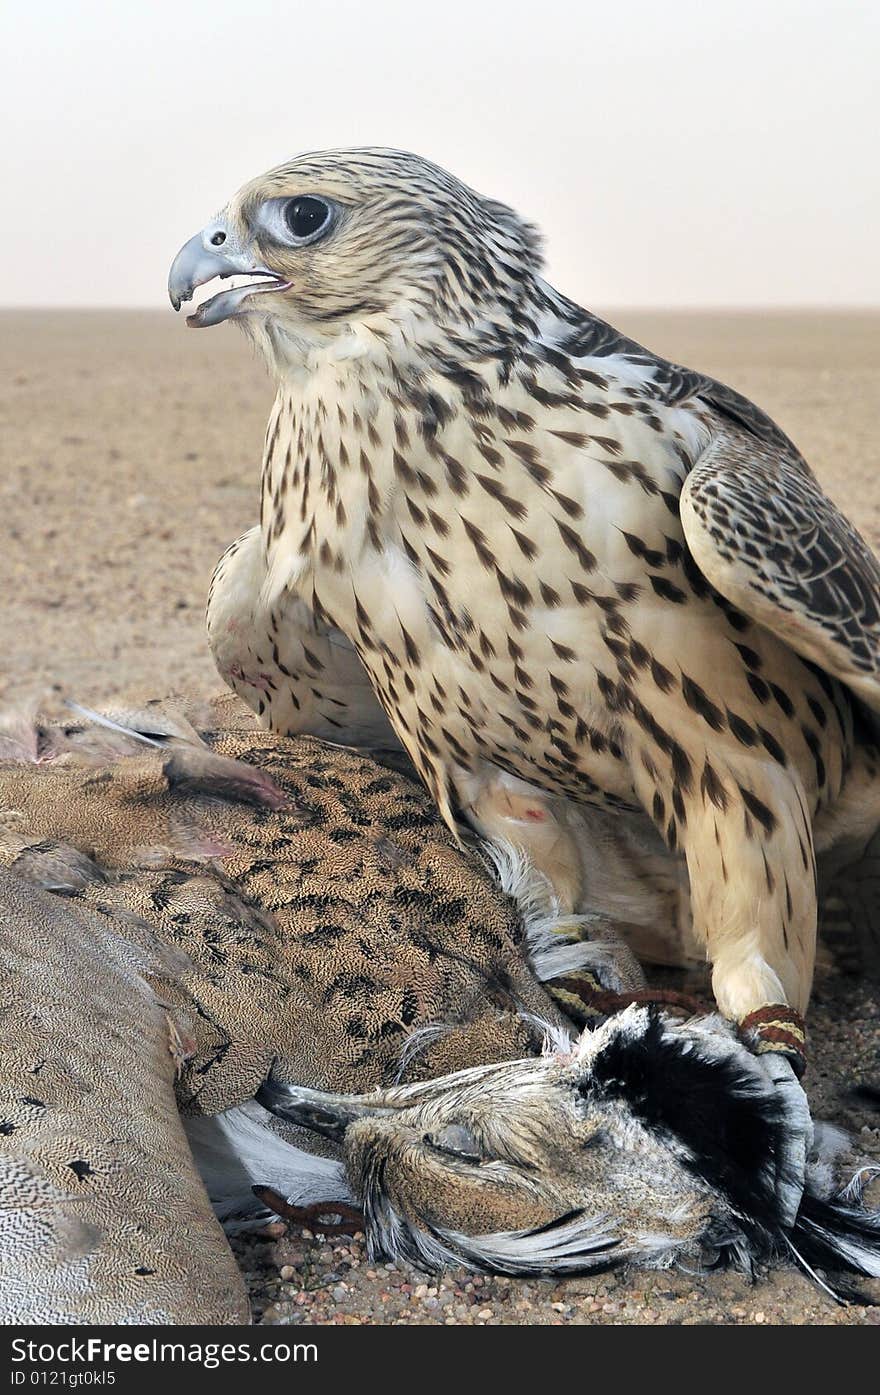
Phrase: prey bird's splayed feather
[475,1127]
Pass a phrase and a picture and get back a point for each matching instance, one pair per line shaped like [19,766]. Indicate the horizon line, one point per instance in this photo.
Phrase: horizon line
[659,307]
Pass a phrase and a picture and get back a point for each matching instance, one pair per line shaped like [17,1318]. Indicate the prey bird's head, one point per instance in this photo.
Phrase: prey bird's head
[359,240]
[648,1141]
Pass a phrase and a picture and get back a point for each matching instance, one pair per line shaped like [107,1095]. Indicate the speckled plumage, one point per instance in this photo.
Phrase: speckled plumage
[572,571]
[93,1155]
[229,913]
[177,920]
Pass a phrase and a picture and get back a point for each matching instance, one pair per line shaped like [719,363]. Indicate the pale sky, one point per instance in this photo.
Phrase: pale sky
[675,152]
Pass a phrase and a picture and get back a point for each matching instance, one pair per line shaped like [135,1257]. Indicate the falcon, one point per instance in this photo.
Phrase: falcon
[574,574]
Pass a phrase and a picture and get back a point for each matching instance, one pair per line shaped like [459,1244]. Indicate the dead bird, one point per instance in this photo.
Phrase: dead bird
[645,1141]
[293,918]
[103,1217]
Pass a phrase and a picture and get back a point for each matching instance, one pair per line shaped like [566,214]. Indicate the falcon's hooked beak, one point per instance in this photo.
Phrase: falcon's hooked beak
[215,252]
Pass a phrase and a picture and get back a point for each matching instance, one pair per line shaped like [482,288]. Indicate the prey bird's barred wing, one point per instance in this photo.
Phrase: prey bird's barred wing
[764,534]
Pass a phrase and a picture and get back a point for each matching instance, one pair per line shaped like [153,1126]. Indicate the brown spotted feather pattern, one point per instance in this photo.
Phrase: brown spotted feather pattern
[177,921]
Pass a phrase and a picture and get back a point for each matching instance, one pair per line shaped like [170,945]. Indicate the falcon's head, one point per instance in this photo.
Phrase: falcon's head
[371,242]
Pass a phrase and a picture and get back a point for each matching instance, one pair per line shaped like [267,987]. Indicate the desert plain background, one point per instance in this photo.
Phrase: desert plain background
[130,459]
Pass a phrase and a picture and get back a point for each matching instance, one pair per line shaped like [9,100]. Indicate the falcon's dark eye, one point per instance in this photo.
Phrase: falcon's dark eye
[306,216]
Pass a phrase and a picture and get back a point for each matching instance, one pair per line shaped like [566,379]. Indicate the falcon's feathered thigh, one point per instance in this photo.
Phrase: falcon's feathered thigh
[573,572]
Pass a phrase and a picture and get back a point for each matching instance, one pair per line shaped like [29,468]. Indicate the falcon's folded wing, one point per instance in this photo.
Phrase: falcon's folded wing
[765,536]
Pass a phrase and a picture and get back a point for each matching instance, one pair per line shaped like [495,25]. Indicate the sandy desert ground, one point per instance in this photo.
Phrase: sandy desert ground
[130,458]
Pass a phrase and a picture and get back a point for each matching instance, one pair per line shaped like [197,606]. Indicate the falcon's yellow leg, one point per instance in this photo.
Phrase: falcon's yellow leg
[748,843]
[753,890]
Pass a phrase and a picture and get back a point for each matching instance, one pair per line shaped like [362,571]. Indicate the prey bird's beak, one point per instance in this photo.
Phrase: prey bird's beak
[318,1110]
[214,253]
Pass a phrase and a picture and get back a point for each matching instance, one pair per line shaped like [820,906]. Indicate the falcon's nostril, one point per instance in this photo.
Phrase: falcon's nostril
[218,239]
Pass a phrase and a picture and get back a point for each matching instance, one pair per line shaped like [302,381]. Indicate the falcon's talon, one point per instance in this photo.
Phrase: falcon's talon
[776,1036]
[795,1135]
